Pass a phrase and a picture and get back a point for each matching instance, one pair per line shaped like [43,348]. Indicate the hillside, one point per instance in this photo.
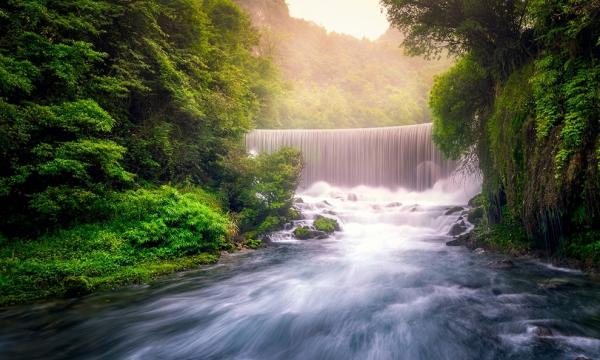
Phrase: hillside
[335,80]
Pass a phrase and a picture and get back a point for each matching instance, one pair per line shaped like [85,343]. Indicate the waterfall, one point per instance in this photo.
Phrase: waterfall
[392,157]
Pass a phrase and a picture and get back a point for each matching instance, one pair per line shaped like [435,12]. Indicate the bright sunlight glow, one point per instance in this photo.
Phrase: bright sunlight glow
[359,18]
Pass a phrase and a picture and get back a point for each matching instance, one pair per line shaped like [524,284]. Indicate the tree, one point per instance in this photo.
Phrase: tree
[497,33]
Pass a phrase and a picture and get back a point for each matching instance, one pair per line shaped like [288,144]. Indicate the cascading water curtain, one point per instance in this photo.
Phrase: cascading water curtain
[392,157]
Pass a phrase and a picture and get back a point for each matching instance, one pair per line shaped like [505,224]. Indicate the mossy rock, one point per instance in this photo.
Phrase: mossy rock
[475,215]
[477,200]
[326,224]
[303,233]
[77,286]
[454,210]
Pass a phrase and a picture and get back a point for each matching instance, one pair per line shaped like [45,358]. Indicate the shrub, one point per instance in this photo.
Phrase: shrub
[326,224]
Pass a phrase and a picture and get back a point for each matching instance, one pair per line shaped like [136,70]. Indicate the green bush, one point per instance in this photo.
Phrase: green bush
[325,224]
[151,232]
[303,233]
[261,189]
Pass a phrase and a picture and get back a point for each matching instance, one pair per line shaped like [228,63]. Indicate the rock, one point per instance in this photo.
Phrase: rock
[352,197]
[77,285]
[326,224]
[458,228]
[329,212]
[501,264]
[305,233]
[542,331]
[475,215]
[456,242]
[582,357]
[454,210]
[320,235]
[476,201]
[298,200]
[496,291]
[479,251]
[393,204]
[555,284]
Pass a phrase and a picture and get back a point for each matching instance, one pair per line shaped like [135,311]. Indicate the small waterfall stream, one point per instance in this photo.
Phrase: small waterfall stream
[392,157]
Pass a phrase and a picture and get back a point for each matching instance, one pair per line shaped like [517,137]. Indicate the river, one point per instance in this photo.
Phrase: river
[385,287]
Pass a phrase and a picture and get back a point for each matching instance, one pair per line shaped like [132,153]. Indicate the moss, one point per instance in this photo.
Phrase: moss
[475,215]
[77,286]
[303,233]
[326,224]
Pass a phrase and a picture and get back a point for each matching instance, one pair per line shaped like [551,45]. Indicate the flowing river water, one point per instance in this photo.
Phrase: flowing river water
[385,287]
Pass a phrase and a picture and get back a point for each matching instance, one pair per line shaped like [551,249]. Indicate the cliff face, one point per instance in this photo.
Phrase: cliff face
[336,80]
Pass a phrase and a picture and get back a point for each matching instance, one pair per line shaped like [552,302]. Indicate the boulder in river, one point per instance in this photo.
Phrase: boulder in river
[459,241]
[306,232]
[453,210]
[475,215]
[501,264]
[542,331]
[458,228]
[393,204]
[556,284]
[326,224]
[352,197]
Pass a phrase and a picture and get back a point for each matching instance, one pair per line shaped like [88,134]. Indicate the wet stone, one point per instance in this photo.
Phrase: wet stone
[501,264]
[393,204]
[542,331]
[454,210]
[458,228]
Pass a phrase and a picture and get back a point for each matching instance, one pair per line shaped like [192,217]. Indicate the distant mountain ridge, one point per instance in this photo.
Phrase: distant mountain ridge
[338,80]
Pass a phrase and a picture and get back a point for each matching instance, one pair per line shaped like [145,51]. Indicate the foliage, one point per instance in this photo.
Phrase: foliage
[151,232]
[508,236]
[101,103]
[326,224]
[303,233]
[456,101]
[496,32]
[536,129]
[262,188]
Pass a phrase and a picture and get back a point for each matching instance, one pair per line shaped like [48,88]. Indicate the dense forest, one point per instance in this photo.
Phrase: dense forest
[338,81]
[524,99]
[122,129]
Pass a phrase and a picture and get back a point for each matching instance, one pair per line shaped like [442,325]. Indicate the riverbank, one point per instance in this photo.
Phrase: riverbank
[150,233]
[510,239]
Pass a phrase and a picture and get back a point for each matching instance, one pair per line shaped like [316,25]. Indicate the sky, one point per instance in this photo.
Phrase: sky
[359,18]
